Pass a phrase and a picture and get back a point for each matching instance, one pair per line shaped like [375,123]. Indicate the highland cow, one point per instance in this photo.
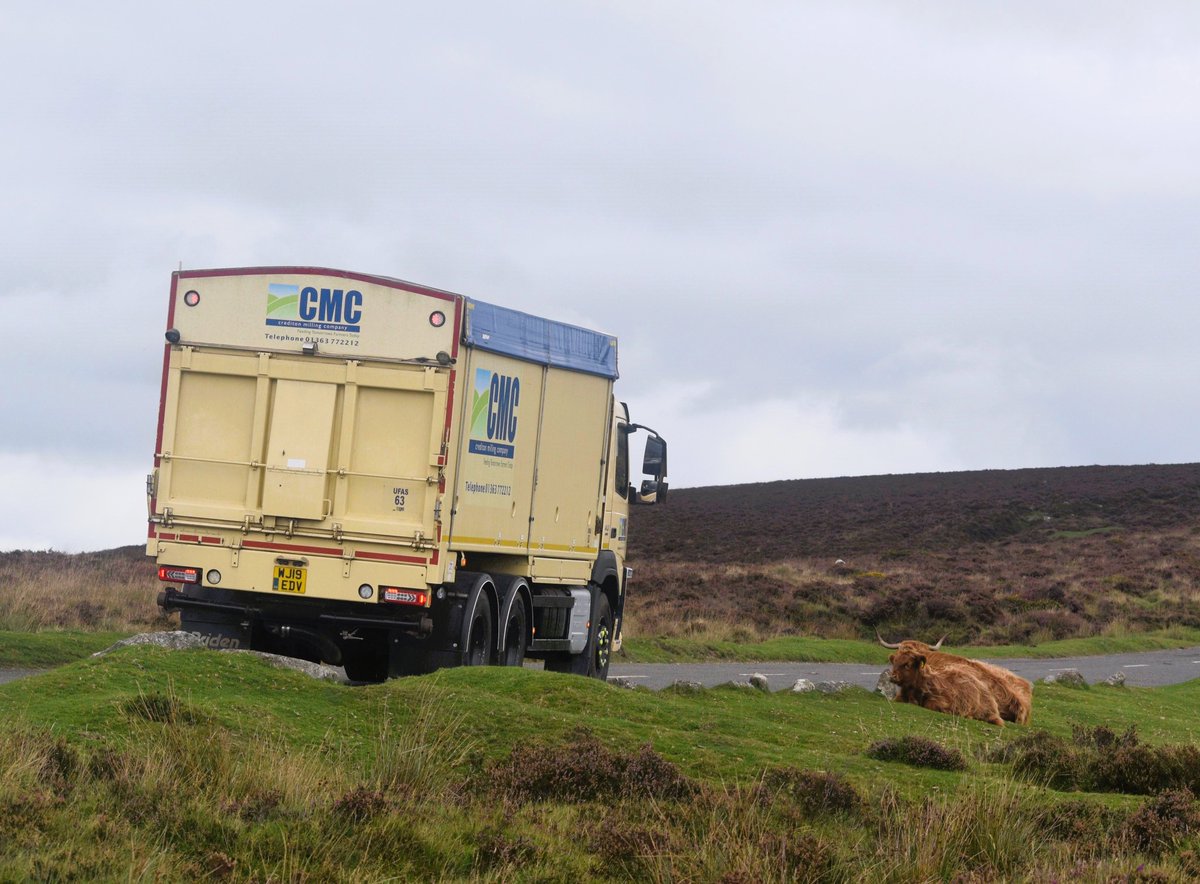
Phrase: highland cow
[949,683]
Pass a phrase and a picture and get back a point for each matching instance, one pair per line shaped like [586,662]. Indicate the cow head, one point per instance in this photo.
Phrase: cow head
[908,667]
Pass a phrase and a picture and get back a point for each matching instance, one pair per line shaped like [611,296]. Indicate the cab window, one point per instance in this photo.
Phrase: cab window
[622,460]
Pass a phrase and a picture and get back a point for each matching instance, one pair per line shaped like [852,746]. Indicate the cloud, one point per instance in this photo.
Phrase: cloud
[718,442]
[67,505]
[831,238]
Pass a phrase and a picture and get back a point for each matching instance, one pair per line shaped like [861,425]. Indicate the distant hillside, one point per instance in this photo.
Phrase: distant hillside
[989,556]
[881,515]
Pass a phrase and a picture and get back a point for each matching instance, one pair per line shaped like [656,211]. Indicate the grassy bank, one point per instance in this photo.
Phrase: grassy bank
[153,764]
[42,650]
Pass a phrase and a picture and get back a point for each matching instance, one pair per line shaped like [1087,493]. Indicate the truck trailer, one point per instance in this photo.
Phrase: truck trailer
[392,478]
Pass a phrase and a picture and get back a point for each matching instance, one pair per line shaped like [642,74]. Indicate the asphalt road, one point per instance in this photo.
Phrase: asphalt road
[1146,669]
[14,674]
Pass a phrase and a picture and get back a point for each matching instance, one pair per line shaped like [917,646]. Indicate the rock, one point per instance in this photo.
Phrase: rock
[759,681]
[1071,678]
[313,670]
[739,685]
[832,687]
[621,681]
[685,687]
[803,686]
[1116,680]
[886,686]
[184,641]
[174,641]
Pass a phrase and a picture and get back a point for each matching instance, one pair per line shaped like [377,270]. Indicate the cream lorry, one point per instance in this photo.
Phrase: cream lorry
[392,478]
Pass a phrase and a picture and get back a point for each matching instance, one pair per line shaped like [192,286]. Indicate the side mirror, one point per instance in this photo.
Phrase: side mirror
[654,464]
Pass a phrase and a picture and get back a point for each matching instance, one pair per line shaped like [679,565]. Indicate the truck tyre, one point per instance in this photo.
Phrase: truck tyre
[480,639]
[594,659]
[601,639]
[365,663]
[516,635]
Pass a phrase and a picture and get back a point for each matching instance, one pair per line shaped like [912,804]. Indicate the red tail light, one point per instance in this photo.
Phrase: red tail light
[176,574]
[404,596]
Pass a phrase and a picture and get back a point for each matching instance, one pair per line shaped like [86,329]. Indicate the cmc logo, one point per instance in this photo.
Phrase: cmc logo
[324,309]
[494,413]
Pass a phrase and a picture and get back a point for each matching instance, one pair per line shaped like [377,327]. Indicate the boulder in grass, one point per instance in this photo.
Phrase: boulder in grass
[886,686]
[1071,678]
[186,641]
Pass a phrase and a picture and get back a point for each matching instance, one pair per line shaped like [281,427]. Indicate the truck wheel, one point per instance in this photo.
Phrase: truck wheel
[602,636]
[480,641]
[594,659]
[365,664]
[516,636]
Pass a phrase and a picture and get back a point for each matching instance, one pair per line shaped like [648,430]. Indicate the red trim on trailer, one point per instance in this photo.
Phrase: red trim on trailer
[458,329]
[162,392]
[333,551]
[291,547]
[388,557]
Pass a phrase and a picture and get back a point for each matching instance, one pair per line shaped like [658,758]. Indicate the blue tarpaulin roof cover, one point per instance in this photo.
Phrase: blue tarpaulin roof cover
[544,341]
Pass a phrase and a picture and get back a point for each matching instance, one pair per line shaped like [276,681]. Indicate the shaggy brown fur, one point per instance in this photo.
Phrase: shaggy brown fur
[1013,694]
[942,683]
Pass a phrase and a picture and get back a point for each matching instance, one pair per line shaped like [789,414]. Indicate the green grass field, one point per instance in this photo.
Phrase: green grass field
[156,764]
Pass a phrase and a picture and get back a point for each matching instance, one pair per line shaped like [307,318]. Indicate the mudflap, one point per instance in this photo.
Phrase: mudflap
[410,654]
[217,629]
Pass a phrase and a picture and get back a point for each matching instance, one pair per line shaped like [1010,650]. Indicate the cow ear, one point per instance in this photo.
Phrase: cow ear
[919,661]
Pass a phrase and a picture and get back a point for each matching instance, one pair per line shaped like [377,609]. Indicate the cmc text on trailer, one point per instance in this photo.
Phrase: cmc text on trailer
[361,471]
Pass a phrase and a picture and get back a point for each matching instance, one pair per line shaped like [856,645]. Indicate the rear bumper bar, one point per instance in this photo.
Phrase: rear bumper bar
[171,599]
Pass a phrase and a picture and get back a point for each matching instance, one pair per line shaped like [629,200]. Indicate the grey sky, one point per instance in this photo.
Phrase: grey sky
[833,239]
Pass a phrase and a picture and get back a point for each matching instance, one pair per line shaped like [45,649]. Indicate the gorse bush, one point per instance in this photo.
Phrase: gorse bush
[360,804]
[1087,824]
[583,769]
[919,752]
[815,792]
[1100,760]
[1164,821]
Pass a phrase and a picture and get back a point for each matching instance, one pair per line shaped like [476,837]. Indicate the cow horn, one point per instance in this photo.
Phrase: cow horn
[886,644]
[939,644]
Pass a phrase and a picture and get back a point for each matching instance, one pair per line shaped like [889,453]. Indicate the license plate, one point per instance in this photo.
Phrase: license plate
[289,578]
